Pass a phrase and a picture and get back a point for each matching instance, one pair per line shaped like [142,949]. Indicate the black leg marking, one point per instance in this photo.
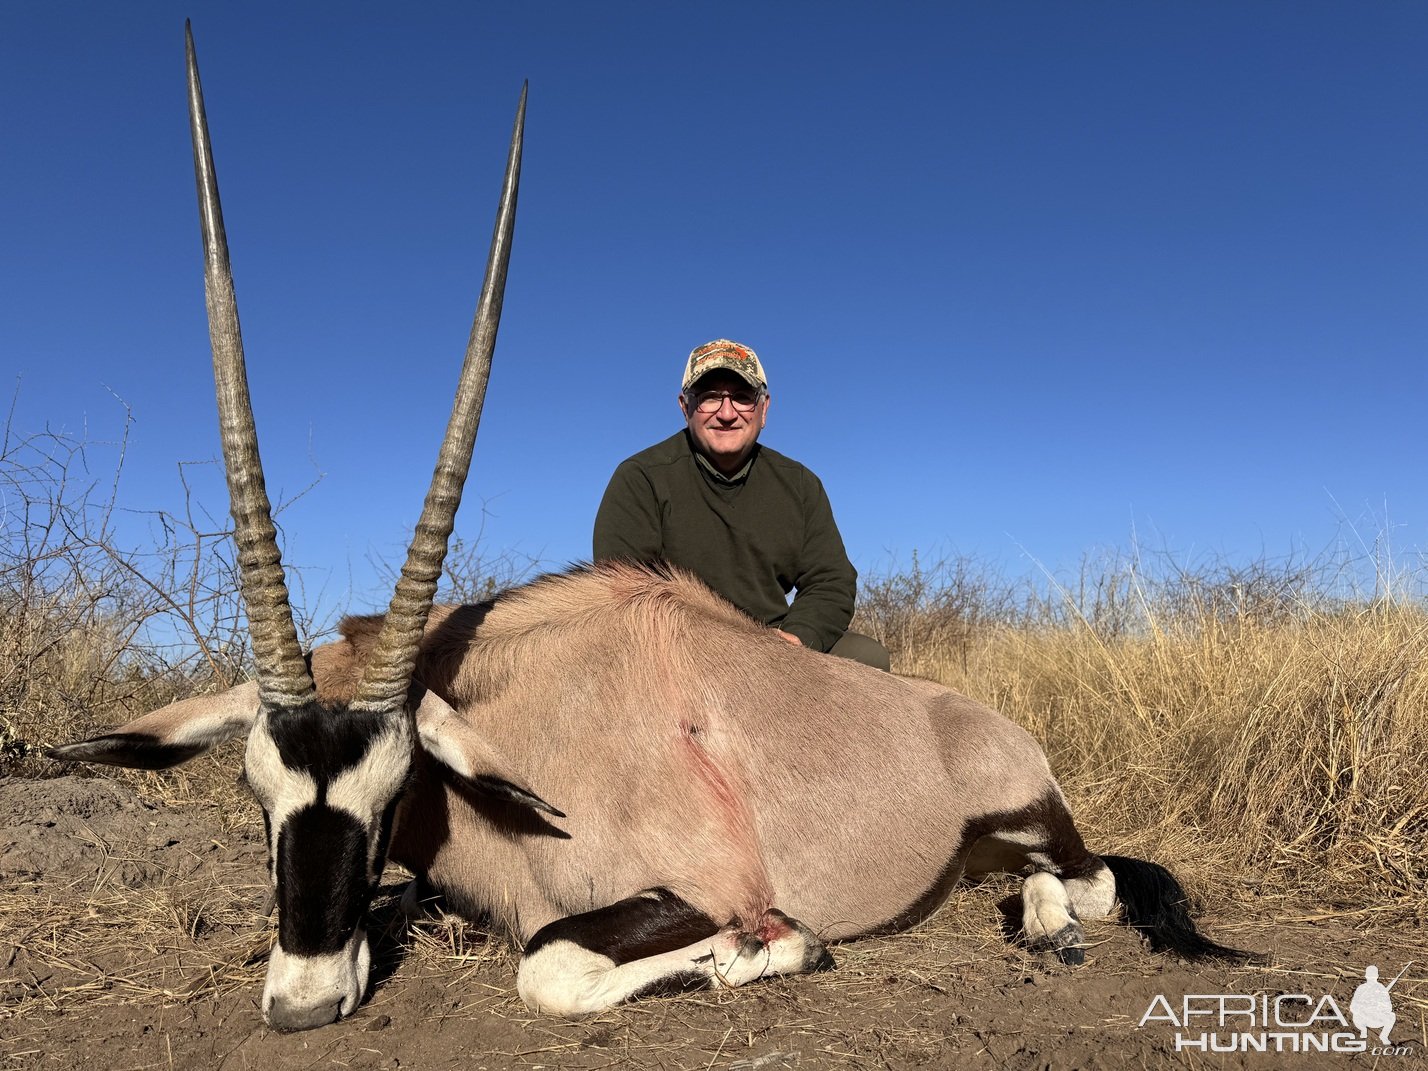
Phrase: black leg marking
[672,986]
[634,928]
[654,943]
[1044,827]
[1155,903]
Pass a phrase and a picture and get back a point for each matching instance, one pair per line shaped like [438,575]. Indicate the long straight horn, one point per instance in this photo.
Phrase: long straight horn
[283,677]
[389,672]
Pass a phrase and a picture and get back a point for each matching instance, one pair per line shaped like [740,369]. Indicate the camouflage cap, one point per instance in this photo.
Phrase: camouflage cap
[721,354]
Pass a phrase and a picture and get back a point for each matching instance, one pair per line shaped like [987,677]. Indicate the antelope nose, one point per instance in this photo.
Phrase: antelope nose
[288,1017]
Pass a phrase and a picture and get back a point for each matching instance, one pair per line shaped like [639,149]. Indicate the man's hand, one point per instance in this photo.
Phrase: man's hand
[789,636]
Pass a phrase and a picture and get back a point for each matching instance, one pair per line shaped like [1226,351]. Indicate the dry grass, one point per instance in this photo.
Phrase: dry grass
[168,938]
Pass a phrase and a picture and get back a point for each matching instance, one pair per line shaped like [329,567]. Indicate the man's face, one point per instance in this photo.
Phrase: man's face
[725,436]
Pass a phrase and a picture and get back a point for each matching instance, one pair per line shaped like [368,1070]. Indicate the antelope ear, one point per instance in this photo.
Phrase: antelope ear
[447,737]
[171,734]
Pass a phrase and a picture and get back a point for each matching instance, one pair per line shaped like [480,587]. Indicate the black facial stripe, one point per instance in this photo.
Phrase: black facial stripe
[323,862]
[323,884]
[323,743]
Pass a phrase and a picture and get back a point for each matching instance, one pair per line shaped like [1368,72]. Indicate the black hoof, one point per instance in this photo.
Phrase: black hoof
[1065,942]
[818,957]
[1074,955]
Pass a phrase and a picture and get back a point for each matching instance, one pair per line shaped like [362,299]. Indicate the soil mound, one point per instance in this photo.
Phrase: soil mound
[82,830]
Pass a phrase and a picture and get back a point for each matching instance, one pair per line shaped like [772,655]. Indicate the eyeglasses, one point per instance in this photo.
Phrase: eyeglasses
[711,401]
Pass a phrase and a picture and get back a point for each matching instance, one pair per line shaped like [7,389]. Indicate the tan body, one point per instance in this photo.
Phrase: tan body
[617,748]
[693,750]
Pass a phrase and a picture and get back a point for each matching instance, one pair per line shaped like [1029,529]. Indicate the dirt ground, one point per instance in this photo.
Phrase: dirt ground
[131,936]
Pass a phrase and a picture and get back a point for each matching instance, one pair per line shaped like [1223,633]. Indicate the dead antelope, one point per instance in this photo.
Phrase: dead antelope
[640,784]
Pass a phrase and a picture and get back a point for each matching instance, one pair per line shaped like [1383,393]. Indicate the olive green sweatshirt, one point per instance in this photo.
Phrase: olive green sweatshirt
[753,538]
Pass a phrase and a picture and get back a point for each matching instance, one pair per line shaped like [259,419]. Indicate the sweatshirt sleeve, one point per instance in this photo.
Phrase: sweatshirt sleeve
[627,524]
[827,583]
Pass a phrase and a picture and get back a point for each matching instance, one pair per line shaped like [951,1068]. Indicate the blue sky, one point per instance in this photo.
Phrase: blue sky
[1027,278]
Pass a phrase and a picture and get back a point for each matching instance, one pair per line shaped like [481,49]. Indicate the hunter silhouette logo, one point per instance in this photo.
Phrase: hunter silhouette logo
[1288,1022]
[1372,1007]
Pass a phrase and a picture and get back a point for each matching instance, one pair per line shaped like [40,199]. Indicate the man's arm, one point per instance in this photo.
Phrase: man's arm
[827,582]
[628,524]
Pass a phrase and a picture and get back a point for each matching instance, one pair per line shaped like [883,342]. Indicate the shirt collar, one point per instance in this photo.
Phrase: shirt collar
[734,478]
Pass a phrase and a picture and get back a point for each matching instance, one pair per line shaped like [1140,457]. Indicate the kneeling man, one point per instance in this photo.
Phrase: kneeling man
[753,524]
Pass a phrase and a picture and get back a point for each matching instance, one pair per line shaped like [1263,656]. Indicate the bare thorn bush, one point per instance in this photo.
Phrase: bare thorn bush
[104,614]
[471,573]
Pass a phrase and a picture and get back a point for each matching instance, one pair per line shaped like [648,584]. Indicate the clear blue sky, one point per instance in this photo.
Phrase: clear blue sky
[1026,277]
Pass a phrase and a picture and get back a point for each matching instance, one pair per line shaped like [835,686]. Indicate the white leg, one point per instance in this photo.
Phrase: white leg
[564,978]
[1049,920]
[1093,897]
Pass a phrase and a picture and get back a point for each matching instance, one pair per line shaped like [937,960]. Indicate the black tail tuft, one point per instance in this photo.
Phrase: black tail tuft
[1156,906]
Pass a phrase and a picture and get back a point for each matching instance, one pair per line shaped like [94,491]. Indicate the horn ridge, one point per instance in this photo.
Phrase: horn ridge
[389,672]
[283,677]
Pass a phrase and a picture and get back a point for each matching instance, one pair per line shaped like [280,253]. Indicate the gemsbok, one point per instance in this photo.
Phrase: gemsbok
[642,786]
